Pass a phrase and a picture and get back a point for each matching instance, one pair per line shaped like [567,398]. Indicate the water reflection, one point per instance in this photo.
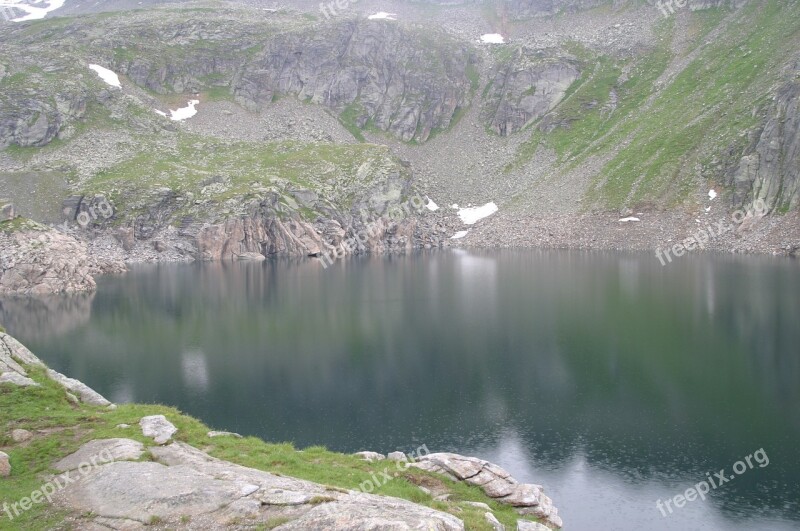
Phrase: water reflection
[609,378]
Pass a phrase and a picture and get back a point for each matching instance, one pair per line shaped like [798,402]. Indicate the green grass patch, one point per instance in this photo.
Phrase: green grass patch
[20,224]
[348,119]
[60,428]
[709,104]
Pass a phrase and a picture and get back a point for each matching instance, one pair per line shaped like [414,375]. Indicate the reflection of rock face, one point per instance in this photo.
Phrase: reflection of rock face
[45,315]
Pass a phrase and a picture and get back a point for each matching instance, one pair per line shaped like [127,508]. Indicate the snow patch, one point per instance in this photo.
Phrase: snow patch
[160,113]
[107,75]
[458,235]
[471,215]
[712,194]
[431,205]
[382,15]
[184,112]
[33,12]
[492,38]
[454,206]
[625,220]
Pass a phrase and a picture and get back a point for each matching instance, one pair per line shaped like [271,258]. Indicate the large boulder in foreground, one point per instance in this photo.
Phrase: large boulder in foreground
[186,488]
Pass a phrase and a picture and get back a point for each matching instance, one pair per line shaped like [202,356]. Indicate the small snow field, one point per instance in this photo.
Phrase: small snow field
[460,234]
[382,15]
[470,216]
[492,38]
[184,112]
[34,12]
[110,78]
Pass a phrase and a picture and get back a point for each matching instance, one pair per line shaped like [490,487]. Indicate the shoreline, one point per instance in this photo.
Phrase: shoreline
[769,236]
[135,465]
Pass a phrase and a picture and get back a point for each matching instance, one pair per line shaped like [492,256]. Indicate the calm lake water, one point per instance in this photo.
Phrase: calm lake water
[611,380]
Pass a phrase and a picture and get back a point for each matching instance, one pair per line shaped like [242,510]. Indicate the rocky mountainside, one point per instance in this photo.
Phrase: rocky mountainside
[244,129]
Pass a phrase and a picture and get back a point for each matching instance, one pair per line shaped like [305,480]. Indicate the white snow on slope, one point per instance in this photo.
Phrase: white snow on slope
[712,194]
[35,10]
[458,235]
[492,38]
[382,15]
[431,205]
[471,215]
[107,75]
[184,112]
[625,220]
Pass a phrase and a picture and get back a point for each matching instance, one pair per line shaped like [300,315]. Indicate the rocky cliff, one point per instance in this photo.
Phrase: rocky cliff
[525,88]
[769,168]
[31,115]
[36,260]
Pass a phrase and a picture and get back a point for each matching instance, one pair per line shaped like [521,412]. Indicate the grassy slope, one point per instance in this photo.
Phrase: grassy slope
[584,109]
[705,109]
[336,172]
[702,112]
[46,408]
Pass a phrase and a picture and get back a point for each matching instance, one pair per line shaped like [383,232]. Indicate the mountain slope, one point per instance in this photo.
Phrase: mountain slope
[612,109]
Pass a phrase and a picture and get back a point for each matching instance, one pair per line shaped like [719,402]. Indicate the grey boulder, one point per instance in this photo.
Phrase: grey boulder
[158,428]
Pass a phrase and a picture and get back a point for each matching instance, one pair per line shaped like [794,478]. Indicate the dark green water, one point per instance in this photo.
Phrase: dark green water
[610,379]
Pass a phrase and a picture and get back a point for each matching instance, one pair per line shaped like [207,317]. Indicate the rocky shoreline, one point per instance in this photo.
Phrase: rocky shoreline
[36,259]
[123,483]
